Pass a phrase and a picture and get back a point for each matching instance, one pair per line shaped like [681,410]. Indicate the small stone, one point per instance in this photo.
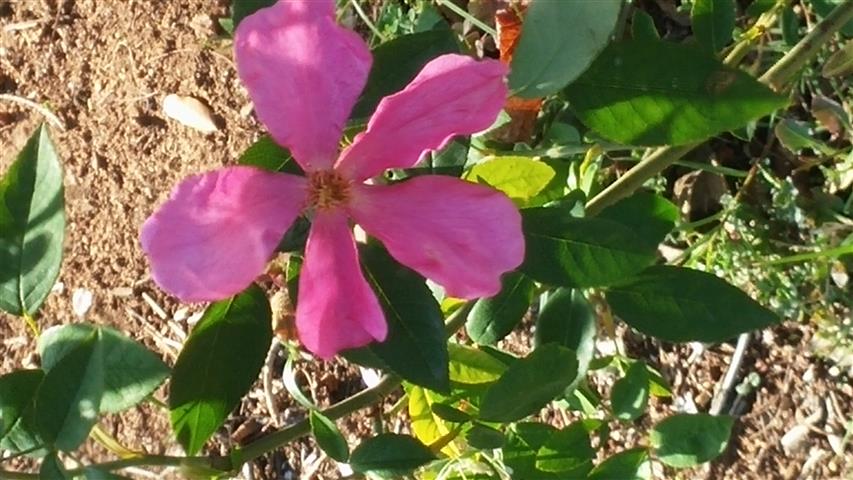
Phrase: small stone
[190,112]
[794,440]
[81,301]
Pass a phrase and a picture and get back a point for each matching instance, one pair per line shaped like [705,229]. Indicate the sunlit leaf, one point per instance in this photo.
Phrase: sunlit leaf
[426,425]
[630,394]
[69,399]
[558,42]
[131,371]
[567,451]
[580,252]
[470,366]
[682,305]
[390,455]
[645,92]
[524,180]
[32,226]
[685,440]
[529,384]
[568,319]
[493,318]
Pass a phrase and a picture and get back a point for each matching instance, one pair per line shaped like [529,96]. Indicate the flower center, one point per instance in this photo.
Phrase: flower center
[327,189]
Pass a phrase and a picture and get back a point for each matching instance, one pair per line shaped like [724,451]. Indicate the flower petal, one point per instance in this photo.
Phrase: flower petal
[304,73]
[336,309]
[461,235]
[452,95]
[217,231]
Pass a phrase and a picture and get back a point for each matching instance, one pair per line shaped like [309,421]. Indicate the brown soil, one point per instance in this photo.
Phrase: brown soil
[103,67]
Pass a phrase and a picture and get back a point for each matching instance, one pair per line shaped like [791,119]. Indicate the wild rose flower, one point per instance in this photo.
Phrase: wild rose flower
[218,230]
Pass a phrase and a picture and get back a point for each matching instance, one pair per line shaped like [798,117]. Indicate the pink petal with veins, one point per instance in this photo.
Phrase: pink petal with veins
[336,309]
[461,235]
[217,231]
[452,95]
[304,74]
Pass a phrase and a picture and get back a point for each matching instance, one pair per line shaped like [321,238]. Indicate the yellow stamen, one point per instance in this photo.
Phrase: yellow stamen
[327,189]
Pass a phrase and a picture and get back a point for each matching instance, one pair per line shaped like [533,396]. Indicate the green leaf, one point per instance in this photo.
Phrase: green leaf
[567,452]
[69,399]
[558,42]
[650,216]
[483,437]
[758,7]
[268,155]
[685,440]
[52,469]
[397,62]
[628,465]
[17,393]
[643,26]
[449,413]
[470,366]
[522,446]
[529,384]
[241,9]
[219,362]
[328,436]
[493,318]
[18,431]
[32,226]
[580,252]
[796,135]
[131,371]
[660,93]
[567,318]
[713,22]
[427,426]
[790,23]
[683,305]
[390,455]
[630,394]
[416,346]
[524,180]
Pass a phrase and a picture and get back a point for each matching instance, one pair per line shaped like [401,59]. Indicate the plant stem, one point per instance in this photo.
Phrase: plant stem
[467,16]
[361,13]
[786,68]
[776,77]
[360,400]
[31,322]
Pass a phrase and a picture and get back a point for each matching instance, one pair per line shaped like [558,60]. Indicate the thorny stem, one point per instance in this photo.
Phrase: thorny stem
[360,400]
[776,77]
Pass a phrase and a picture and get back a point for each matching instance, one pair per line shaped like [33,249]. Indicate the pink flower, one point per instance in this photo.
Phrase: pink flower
[218,230]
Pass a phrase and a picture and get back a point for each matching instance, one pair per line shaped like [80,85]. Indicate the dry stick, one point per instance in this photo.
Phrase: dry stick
[776,77]
[44,111]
